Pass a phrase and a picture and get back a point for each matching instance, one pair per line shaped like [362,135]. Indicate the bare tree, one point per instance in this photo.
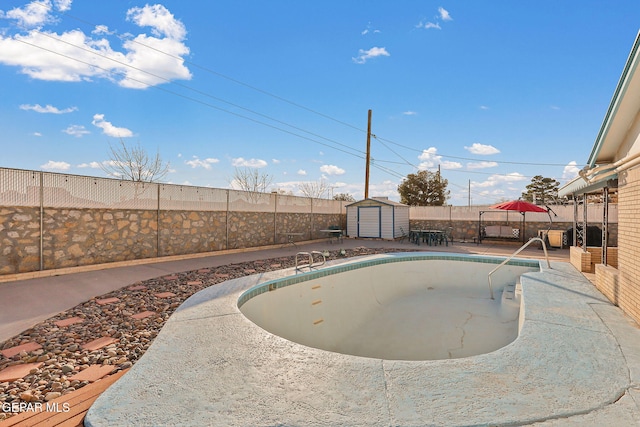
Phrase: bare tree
[314,189]
[251,179]
[345,197]
[134,164]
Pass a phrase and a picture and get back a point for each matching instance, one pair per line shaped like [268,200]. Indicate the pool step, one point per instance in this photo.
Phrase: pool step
[512,293]
[510,303]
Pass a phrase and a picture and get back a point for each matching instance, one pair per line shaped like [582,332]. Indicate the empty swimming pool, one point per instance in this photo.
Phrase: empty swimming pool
[410,307]
[210,365]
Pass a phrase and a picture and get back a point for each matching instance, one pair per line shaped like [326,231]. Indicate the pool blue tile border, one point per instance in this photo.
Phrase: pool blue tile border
[272,285]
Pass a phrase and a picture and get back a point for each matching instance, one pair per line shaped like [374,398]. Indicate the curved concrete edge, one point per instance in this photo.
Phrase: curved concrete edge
[210,365]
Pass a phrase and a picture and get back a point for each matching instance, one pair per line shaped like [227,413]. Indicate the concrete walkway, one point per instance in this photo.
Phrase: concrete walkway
[27,301]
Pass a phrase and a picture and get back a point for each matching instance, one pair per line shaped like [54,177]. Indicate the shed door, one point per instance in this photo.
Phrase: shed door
[369,221]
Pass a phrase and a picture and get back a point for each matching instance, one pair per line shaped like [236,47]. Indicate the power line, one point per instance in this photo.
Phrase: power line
[358,155]
[194,100]
[407,162]
[216,73]
[208,95]
[282,99]
[200,92]
[477,159]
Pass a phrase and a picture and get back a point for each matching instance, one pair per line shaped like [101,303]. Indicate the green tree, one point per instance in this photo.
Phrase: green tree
[542,190]
[424,189]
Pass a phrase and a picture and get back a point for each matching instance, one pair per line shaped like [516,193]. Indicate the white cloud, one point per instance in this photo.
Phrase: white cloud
[275,161]
[158,54]
[481,165]
[446,164]
[203,163]
[429,159]
[302,172]
[109,129]
[444,14]
[32,15]
[76,130]
[410,113]
[483,107]
[53,165]
[386,188]
[37,134]
[428,25]
[495,180]
[331,170]
[369,30]
[363,55]
[48,109]
[92,165]
[102,29]
[288,187]
[481,149]
[248,163]
[161,21]
[570,171]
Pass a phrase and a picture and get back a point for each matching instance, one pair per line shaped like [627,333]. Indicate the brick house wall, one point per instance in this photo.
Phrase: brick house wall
[625,291]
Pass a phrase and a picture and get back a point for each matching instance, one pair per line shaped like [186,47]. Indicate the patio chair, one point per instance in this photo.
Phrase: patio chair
[449,234]
[404,236]
[337,236]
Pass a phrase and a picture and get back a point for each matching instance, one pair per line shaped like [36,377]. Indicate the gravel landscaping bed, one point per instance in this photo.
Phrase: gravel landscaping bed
[153,301]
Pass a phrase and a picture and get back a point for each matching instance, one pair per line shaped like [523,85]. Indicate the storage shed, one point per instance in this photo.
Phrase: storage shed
[377,218]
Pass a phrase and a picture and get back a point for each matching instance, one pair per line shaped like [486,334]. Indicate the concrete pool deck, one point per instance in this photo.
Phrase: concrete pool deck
[576,362]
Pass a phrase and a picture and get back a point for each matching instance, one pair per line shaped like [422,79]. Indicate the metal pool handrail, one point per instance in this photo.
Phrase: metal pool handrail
[312,262]
[546,256]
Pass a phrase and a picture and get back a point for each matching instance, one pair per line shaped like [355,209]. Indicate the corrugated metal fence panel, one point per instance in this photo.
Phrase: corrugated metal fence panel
[188,198]
[430,212]
[247,201]
[327,206]
[19,188]
[471,213]
[293,204]
[84,192]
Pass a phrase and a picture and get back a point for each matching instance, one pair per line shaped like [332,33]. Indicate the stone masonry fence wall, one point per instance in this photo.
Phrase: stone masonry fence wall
[50,221]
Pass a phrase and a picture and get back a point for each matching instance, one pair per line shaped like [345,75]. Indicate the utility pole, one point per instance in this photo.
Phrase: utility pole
[366,178]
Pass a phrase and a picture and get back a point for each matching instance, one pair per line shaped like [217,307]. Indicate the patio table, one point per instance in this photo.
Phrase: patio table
[431,237]
[333,234]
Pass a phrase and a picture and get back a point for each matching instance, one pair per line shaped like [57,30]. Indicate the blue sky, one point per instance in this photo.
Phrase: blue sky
[494,92]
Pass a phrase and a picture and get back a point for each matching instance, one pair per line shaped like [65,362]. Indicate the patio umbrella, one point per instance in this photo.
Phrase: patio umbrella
[521,206]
